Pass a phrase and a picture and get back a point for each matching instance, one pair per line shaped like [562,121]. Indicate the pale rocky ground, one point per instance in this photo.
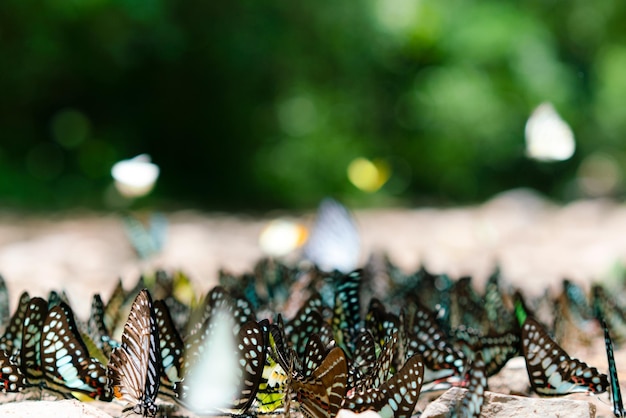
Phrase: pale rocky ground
[536,244]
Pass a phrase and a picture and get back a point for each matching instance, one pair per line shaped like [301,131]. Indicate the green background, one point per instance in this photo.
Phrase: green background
[249,105]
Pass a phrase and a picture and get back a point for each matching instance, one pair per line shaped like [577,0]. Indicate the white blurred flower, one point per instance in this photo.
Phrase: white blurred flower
[548,137]
[135,177]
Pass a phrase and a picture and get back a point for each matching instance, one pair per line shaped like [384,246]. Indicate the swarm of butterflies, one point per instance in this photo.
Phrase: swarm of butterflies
[312,337]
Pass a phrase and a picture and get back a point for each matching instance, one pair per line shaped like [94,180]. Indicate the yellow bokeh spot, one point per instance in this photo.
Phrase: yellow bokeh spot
[368,175]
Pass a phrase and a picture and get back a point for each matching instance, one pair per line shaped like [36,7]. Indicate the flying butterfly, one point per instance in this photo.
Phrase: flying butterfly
[65,359]
[394,398]
[334,242]
[147,241]
[135,367]
[551,371]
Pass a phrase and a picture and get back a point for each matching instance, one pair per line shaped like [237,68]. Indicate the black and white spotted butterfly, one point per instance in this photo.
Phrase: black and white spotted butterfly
[65,361]
[135,367]
[30,350]
[472,403]
[227,368]
[11,377]
[172,349]
[551,370]
[394,398]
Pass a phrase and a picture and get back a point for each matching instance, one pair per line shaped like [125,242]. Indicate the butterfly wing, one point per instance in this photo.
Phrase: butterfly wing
[394,398]
[551,371]
[65,359]
[135,366]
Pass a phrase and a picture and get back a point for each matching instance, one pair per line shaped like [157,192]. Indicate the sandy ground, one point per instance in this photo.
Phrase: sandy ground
[535,243]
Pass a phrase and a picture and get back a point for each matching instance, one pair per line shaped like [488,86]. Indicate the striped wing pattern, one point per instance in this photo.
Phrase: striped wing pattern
[551,370]
[65,360]
[321,394]
[135,366]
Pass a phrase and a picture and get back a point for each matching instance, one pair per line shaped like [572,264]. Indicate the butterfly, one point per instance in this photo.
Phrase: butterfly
[4,302]
[12,378]
[551,371]
[425,337]
[65,361]
[135,366]
[380,370]
[347,310]
[97,329]
[147,241]
[472,403]
[11,341]
[495,350]
[363,358]
[334,242]
[396,397]
[171,347]
[499,318]
[616,393]
[321,394]
[227,368]
[273,383]
[30,350]
[607,308]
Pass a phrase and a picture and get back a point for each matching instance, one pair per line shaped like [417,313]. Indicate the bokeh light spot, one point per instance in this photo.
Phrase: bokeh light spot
[367,175]
[70,127]
[599,175]
[280,237]
[135,177]
[298,116]
[548,137]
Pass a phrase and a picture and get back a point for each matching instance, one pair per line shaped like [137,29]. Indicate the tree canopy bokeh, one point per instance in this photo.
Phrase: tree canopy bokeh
[257,104]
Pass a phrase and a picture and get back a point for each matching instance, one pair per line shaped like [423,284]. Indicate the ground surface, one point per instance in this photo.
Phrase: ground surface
[535,243]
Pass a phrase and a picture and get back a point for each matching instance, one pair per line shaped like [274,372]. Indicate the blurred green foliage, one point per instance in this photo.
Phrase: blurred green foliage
[256,104]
